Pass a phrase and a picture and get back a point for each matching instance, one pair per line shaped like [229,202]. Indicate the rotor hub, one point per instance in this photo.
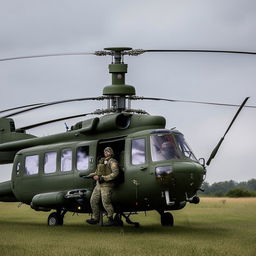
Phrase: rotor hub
[118,90]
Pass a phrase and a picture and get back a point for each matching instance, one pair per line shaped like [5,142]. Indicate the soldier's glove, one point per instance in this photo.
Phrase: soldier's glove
[101,180]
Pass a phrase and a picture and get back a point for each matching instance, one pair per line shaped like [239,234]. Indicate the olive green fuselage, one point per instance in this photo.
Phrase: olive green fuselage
[139,187]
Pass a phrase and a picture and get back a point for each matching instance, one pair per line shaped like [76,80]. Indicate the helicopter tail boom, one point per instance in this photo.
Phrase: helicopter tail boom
[6,194]
[8,133]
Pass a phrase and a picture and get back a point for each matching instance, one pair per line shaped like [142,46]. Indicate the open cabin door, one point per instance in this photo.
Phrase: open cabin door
[118,146]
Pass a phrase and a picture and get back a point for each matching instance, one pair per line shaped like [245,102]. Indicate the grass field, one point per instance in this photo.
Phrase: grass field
[217,226]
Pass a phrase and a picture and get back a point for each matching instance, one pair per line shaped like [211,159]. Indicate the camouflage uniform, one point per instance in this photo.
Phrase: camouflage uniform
[108,170]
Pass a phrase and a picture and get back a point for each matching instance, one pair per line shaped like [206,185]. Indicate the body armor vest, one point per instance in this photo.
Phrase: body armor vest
[104,168]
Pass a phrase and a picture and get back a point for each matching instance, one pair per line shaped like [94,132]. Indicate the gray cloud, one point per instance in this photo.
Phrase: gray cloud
[37,27]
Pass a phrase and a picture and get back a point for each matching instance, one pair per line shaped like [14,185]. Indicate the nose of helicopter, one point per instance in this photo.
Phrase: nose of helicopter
[188,175]
[182,179]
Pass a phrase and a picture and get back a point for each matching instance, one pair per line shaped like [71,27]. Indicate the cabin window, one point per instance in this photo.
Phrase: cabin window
[31,164]
[50,160]
[163,147]
[66,160]
[82,158]
[138,151]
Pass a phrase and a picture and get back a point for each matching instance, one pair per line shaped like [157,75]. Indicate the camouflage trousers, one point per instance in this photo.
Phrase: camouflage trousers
[101,194]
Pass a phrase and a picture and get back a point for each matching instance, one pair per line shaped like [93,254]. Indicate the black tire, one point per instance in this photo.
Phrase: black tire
[55,219]
[195,200]
[167,219]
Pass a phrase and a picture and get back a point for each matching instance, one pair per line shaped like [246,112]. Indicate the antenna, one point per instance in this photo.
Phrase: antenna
[66,126]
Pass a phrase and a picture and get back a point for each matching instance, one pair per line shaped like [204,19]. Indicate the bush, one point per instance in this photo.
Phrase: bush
[219,194]
[238,192]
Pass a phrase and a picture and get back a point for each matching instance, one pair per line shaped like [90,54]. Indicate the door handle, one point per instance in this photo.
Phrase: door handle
[143,168]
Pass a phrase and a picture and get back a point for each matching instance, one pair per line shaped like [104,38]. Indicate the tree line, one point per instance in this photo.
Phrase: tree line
[230,188]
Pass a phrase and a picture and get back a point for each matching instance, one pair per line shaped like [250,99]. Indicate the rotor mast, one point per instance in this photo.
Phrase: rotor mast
[118,90]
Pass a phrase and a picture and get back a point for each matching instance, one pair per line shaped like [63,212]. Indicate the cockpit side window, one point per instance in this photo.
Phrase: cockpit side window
[50,162]
[163,147]
[82,158]
[66,160]
[31,164]
[184,147]
[138,151]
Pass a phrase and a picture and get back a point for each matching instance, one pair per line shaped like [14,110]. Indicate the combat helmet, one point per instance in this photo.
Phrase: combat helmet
[110,150]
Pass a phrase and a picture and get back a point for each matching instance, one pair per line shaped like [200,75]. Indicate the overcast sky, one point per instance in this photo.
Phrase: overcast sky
[31,27]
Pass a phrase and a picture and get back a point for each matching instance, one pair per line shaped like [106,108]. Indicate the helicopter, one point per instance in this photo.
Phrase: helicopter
[158,170]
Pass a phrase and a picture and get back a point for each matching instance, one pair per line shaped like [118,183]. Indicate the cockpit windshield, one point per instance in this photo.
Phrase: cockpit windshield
[163,147]
[183,147]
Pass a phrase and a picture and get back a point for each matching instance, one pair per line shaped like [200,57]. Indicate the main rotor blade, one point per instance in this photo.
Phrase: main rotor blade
[25,106]
[42,105]
[54,120]
[189,101]
[203,51]
[47,55]
[96,112]
[133,52]
[214,152]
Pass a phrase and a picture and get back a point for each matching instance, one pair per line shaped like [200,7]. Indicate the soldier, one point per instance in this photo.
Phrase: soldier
[107,170]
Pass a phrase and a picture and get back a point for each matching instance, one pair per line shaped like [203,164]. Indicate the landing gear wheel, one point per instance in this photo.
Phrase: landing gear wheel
[195,200]
[167,219]
[118,220]
[55,219]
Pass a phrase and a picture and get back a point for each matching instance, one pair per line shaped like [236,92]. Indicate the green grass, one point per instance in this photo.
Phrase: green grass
[217,226]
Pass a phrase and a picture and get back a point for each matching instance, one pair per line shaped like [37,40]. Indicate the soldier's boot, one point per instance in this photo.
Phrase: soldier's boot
[110,222]
[92,221]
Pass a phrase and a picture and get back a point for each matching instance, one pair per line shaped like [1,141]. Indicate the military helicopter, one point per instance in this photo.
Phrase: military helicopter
[158,169]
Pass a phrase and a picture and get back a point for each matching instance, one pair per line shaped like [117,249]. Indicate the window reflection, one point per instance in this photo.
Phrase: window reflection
[184,148]
[50,160]
[82,156]
[138,151]
[18,168]
[66,160]
[163,147]
[31,164]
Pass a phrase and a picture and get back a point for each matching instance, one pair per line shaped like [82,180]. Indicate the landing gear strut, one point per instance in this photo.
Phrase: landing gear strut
[56,218]
[128,220]
[118,220]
